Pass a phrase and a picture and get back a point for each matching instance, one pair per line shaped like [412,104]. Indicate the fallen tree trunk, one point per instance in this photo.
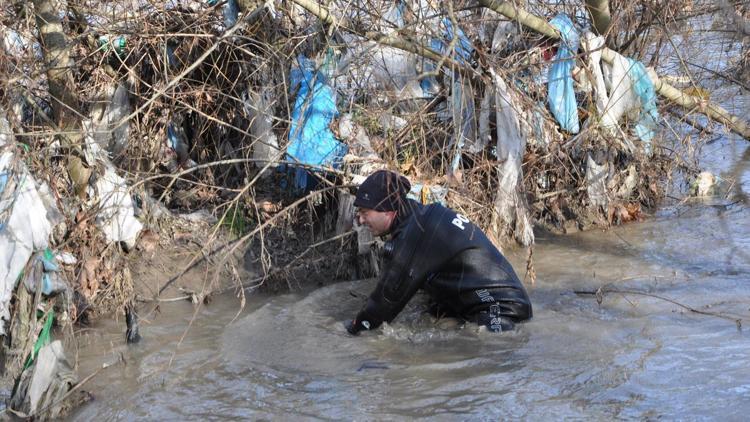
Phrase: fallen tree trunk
[711,110]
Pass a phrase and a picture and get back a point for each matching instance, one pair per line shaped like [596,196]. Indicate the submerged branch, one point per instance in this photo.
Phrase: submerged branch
[599,293]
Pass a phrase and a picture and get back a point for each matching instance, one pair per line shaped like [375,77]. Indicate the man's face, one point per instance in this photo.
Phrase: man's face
[378,222]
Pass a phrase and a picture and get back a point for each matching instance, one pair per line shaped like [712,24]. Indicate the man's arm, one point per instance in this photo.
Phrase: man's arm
[398,283]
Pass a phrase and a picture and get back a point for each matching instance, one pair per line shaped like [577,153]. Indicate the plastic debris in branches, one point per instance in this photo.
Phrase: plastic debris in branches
[311,141]
[45,271]
[629,91]
[42,388]
[461,104]
[231,12]
[427,194]
[178,142]
[560,95]
[116,213]
[645,128]
[462,50]
[27,217]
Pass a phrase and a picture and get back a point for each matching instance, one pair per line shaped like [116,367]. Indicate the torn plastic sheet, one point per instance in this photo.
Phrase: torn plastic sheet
[116,214]
[644,89]
[311,141]
[114,138]
[461,104]
[43,387]
[231,12]
[560,94]
[427,194]
[509,205]
[596,182]
[631,92]
[259,109]
[461,52]
[27,217]
[177,141]
[44,267]
[464,122]
[369,67]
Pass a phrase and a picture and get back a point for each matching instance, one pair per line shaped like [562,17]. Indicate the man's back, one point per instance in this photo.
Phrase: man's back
[463,271]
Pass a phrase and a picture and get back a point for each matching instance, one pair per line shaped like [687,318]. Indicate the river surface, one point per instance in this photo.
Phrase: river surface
[637,355]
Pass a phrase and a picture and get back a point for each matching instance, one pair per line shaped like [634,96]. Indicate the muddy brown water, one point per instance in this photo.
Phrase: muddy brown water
[634,356]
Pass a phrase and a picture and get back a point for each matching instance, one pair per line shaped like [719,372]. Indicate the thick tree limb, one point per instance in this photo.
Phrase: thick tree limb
[65,107]
[513,12]
[599,11]
[391,40]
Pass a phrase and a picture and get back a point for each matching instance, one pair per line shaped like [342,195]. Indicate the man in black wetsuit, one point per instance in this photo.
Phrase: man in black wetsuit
[433,248]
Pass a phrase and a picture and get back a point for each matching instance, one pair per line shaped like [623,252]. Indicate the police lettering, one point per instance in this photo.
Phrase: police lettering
[485,296]
[459,221]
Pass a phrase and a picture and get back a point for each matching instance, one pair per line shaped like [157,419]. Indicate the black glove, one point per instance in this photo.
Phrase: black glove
[350,328]
[354,326]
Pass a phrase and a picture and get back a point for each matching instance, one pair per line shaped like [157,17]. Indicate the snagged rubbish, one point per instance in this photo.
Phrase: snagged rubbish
[117,44]
[44,268]
[131,320]
[231,12]
[509,207]
[259,108]
[427,194]
[43,339]
[26,219]
[631,92]
[177,141]
[311,141]
[464,122]
[114,138]
[42,387]
[369,66]
[704,184]
[462,51]
[645,128]
[593,45]
[116,216]
[560,93]
[596,182]
[461,104]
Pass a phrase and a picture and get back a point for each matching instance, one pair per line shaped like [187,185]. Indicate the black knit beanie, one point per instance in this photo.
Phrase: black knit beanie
[383,191]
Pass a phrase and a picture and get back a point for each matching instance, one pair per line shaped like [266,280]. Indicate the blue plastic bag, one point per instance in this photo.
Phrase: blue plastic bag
[231,12]
[560,95]
[462,50]
[644,88]
[311,141]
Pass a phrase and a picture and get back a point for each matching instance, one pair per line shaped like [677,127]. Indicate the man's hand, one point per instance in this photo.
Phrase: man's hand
[351,327]
[354,326]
